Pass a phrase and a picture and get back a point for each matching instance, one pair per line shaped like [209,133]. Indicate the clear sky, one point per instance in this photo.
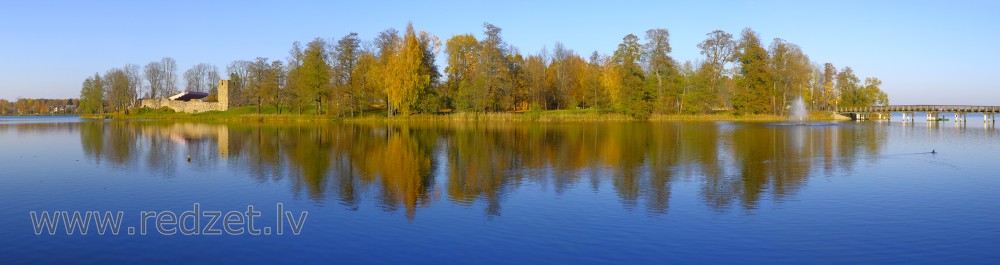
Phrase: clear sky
[925,52]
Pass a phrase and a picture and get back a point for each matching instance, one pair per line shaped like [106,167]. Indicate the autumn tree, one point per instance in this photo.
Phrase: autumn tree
[853,94]
[202,77]
[135,79]
[92,95]
[480,76]
[578,82]
[828,93]
[611,81]
[872,94]
[168,72]
[596,96]
[293,67]
[403,78]
[240,93]
[792,74]
[560,76]
[313,80]
[848,85]
[492,71]
[155,80]
[193,80]
[697,84]
[535,78]
[277,82]
[463,61]
[662,71]
[400,74]
[719,49]
[21,106]
[567,80]
[388,44]
[518,80]
[262,82]
[428,100]
[754,80]
[362,83]
[636,98]
[346,54]
[160,78]
[116,86]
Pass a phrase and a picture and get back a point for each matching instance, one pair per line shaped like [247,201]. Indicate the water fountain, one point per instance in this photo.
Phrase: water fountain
[798,116]
[797,111]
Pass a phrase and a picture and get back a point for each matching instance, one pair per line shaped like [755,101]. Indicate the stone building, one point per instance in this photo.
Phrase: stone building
[192,102]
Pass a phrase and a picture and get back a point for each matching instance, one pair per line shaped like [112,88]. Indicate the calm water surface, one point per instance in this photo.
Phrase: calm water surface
[513,193]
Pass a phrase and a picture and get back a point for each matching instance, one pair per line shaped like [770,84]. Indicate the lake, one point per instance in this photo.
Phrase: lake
[504,193]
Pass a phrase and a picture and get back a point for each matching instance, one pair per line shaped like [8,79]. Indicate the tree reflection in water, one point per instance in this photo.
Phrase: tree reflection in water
[397,165]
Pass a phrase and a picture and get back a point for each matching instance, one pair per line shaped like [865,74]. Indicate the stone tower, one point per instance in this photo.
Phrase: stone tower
[223,95]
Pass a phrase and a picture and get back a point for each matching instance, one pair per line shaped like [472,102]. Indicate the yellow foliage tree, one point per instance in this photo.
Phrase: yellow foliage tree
[403,77]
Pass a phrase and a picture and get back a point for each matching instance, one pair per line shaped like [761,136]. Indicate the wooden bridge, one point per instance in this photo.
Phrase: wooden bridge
[933,112]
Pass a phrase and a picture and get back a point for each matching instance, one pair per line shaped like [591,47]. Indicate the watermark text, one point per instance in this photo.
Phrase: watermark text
[193,222]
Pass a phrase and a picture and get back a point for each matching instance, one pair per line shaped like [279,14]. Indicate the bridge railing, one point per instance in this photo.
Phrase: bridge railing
[922,108]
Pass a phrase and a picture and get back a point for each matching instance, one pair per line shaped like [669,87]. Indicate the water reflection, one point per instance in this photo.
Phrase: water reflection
[404,167]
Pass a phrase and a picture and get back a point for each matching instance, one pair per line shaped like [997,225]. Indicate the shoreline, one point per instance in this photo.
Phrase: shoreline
[528,116]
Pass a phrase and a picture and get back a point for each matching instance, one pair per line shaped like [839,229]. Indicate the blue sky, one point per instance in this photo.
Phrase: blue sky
[925,52]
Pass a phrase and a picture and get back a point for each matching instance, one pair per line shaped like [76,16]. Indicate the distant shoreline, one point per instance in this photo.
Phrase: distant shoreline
[248,114]
[43,115]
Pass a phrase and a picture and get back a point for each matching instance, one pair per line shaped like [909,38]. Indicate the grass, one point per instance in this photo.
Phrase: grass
[729,116]
[514,116]
[248,113]
[270,114]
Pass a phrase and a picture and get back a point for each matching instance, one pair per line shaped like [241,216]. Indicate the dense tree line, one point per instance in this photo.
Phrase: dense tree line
[31,106]
[119,89]
[398,74]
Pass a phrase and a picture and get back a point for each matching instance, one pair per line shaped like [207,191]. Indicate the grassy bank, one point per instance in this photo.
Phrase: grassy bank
[247,114]
[270,114]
